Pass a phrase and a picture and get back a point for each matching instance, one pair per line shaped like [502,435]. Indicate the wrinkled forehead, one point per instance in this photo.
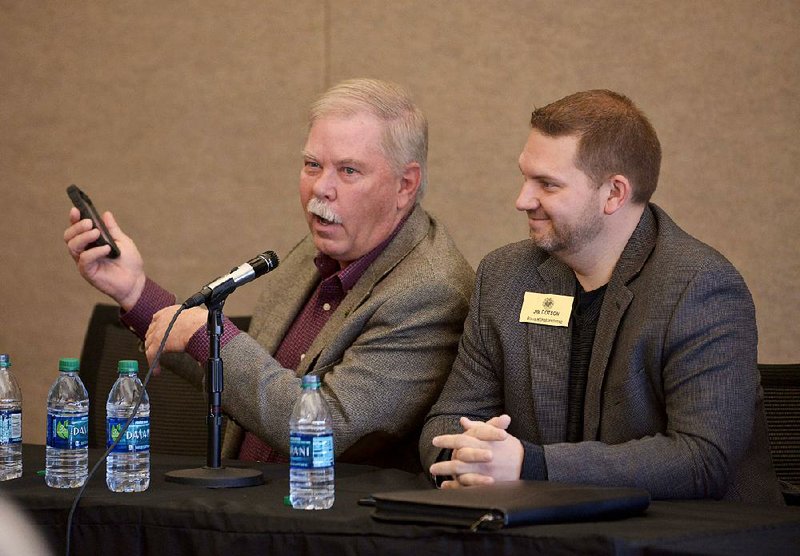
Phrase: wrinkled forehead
[347,137]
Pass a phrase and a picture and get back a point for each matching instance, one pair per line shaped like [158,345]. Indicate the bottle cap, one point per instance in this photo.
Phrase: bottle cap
[128,367]
[5,360]
[69,364]
[310,381]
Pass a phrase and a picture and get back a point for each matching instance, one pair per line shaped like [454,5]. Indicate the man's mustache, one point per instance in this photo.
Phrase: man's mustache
[323,210]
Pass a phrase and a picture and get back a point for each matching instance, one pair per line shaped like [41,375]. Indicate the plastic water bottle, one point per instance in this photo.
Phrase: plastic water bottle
[128,464]
[67,452]
[311,450]
[10,422]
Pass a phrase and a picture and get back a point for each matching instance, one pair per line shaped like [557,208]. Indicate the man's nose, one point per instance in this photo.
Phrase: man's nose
[527,198]
[325,185]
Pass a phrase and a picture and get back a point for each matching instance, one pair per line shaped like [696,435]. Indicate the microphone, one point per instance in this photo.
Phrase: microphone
[239,276]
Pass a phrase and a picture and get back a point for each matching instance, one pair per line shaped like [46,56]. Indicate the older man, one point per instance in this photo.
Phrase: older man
[373,300]
[612,348]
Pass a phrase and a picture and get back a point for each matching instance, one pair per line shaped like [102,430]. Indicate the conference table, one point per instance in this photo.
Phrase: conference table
[177,519]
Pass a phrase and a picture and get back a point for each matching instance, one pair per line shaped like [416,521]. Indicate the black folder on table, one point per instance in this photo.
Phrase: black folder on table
[510,503]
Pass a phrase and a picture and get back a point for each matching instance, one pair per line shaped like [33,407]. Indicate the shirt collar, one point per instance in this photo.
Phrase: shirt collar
[348,276]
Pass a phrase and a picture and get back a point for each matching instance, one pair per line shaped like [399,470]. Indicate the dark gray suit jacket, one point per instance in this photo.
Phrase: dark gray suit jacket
[673,402]
[384,354]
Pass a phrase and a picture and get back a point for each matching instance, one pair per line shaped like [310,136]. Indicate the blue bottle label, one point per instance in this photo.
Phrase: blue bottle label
[310,451]
[67,432]
[136,437]
[11,427]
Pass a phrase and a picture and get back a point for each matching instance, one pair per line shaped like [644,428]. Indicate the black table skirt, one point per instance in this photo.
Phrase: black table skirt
[176,519]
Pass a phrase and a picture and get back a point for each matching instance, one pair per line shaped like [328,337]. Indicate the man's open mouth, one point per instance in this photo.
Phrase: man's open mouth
[323,221]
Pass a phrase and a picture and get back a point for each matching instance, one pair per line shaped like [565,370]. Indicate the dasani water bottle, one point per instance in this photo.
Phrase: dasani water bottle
[67,452]
[311,450]
[10,422]
[128,463]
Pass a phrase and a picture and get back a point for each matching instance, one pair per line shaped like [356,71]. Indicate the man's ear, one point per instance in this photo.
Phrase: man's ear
[620,192]
[408,186]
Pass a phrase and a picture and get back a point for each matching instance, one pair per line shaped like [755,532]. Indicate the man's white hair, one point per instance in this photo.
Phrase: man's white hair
[405,136]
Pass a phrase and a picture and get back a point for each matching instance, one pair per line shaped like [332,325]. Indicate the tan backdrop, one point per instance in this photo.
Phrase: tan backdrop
[187,118]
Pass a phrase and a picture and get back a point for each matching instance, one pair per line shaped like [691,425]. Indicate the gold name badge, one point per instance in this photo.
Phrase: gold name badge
[547,309]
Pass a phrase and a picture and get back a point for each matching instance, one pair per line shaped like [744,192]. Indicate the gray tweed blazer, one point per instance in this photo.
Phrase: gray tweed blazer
[383,355]
[673,401]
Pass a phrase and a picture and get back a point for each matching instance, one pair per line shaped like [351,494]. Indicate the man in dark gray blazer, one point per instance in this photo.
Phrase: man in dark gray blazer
[372,300]
[612,348]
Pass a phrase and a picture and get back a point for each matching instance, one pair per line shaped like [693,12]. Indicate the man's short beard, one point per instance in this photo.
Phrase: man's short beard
[570,239]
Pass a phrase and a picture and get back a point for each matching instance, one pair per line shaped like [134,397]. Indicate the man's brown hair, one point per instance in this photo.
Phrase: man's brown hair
[615,137]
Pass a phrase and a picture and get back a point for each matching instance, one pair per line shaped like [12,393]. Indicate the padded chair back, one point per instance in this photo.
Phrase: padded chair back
[177,409]
[781,384]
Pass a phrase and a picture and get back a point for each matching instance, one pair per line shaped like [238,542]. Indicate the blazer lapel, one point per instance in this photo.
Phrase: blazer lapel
[549,355]
[334,338]
[615,302]
[286,292]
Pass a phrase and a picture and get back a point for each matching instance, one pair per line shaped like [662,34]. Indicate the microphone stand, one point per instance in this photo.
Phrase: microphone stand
[214,474]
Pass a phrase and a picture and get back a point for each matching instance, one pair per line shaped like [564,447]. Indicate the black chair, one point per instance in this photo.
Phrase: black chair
[178,410]
[781,384]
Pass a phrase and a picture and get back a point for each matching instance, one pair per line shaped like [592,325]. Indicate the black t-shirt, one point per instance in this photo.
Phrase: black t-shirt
[585,313]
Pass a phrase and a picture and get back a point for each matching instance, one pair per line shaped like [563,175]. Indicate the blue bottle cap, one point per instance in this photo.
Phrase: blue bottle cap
[5,360]
[310,381]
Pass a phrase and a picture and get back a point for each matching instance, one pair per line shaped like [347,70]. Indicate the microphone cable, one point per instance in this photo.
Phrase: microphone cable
[124,427]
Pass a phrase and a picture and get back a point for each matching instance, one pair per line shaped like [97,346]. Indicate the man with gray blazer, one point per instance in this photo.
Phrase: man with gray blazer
[373,300]
[611,348]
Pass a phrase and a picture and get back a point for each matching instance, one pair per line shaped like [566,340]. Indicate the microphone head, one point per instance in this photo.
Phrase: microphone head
[242,274]
[265,262]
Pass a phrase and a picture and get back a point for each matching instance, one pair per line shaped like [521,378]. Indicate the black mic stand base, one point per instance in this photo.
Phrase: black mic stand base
[217,477]
[214,474]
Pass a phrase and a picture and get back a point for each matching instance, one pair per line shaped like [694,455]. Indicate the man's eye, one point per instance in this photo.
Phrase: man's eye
[311,164]
[349,171]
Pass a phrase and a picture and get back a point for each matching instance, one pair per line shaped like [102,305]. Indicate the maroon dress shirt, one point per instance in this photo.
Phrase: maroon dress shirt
[334,285]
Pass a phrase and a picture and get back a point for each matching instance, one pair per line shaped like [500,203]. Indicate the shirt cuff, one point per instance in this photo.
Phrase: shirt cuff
[534,465]
[197,347]
[153,299]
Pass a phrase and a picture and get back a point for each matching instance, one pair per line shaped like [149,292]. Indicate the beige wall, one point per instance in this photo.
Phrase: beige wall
[186,119]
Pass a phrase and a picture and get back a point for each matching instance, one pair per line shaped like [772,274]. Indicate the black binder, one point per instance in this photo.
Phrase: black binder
[510,503]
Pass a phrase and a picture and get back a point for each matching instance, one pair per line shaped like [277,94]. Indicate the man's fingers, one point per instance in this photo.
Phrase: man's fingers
[455,441]
[485,432]
[460,466]
[474,479]
[76,228]
[442,468]
[112,226]
[452,467]
[475,455]
[74,215]
[79,236]
[152,340]
[501,421]
[467,479]
[93,255]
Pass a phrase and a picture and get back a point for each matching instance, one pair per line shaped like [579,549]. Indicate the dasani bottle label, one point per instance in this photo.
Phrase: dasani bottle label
[66,432]
[10,427]
[136,437]
[309,451]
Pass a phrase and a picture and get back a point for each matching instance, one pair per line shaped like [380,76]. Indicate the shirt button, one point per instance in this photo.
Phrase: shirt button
[326,307]
[302,356]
